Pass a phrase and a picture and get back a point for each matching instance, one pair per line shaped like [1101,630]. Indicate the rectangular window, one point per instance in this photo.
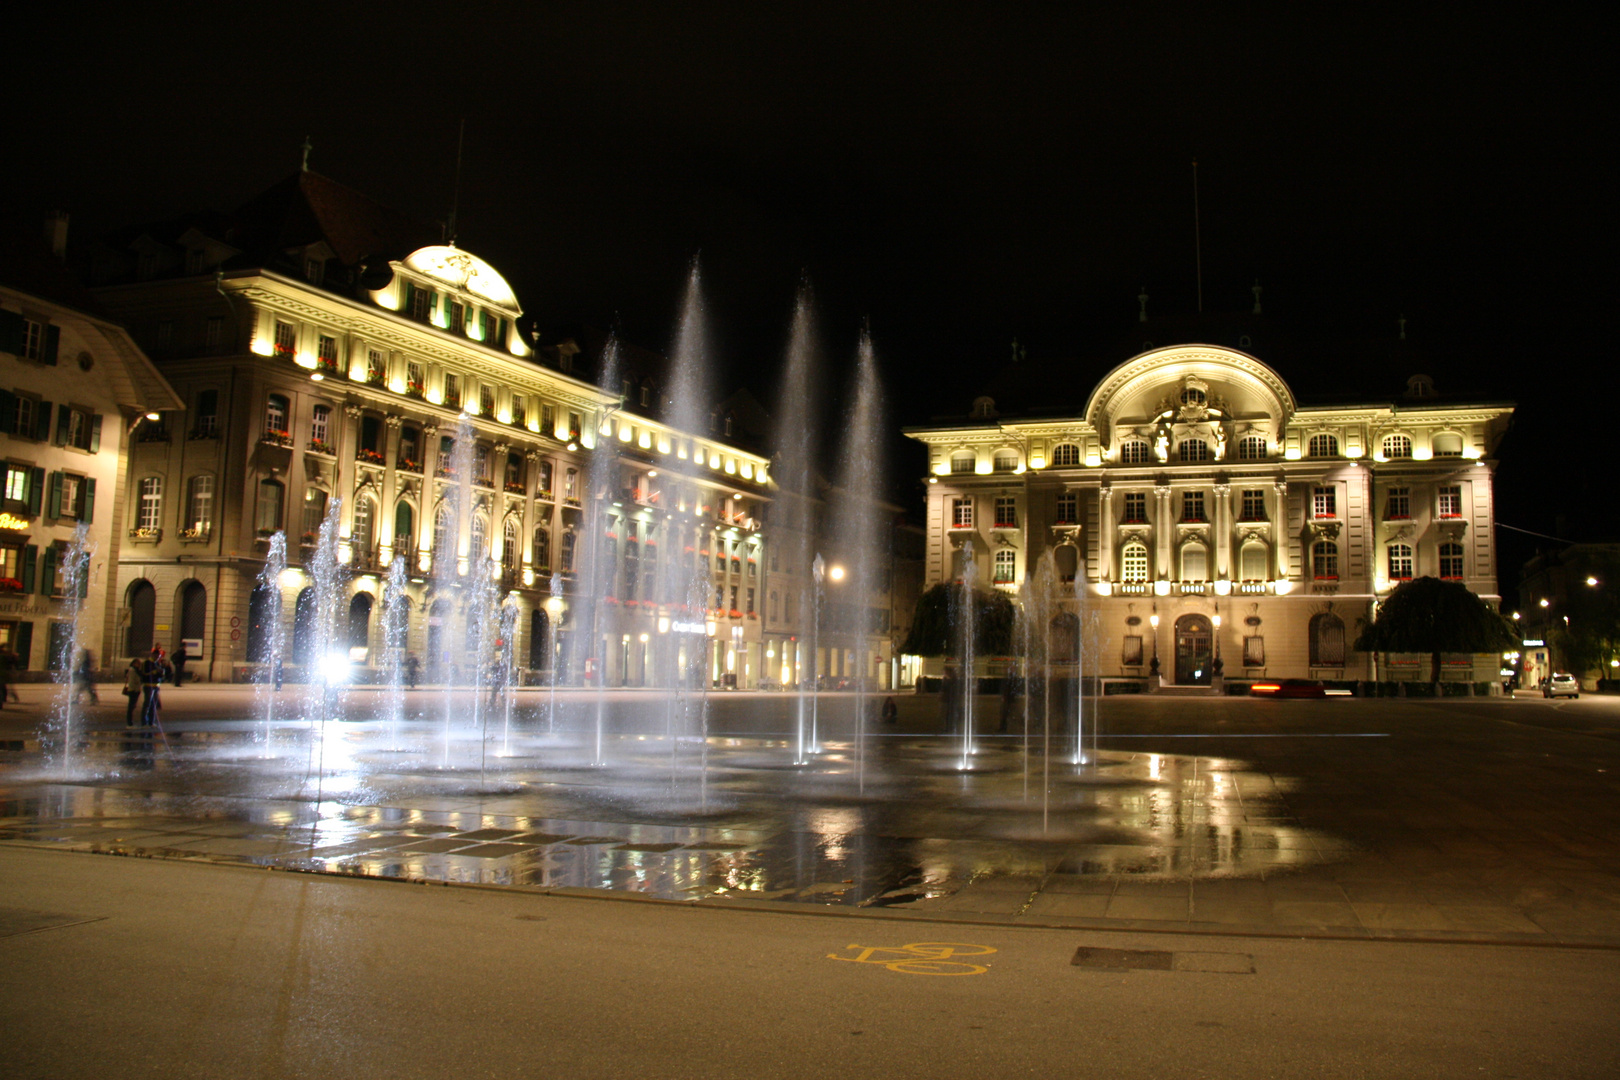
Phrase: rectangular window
[548,420]
[1254,505]
[421,301]
[1192,506]
[1451,501]
[1005,567]
[1451,560]
[150,513]
[1254,651]
[486,399]
[78,428]
[320,424]
[16,481]
[1006,512]
[544,487]
[72,487]
[413,378]
[458,318]
[25,419]
[1068,508]
[33,340]
[1135,507]
[376,366]
[200,505]
[575,425]
[1324,503]
[1400,503]
[206,415]
[1130,650]
[213,330]
[1325,560]
[750,607]
[520,410]
[1400,562]
[452,390]
[961,513]
[286,339]
[326,354]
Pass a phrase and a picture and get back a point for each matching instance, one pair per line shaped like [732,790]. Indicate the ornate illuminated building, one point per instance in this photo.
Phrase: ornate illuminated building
[1198,515]
[329,350]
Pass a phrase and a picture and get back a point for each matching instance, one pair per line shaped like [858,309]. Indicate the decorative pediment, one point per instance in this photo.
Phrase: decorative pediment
[1324,530]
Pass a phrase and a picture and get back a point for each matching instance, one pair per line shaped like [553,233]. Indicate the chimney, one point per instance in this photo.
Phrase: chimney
[56,232]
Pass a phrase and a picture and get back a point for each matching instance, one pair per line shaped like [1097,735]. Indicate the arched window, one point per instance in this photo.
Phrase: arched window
[1133,562]
[1065,454]
[1135,452]
[1252,448]
[1448,444]
[1194,450]
[1325,560]
[276,409]
[542,548]
[963,461]
[443,534]
[509,546]
[267,510]
[359,636]
[1194,563]
[364,531]
[1323,446]
[264,613]
[1327,640]
[1451,561]
[478,550]
[1006,460]
[404,526]
[1005,567]
[1400,562]
[1397,446]
[1252,562]
[1192,396]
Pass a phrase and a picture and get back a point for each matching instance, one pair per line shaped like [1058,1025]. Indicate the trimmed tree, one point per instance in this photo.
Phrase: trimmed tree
[933,626]
[1427,615]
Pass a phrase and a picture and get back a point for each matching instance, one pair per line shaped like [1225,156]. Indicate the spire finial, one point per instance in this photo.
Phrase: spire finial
[308,146]
[1142,298]
[1256,290]
[1401,322]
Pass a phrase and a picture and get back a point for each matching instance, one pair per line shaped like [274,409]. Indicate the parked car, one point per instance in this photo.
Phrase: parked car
[1560,684]
[1288,688]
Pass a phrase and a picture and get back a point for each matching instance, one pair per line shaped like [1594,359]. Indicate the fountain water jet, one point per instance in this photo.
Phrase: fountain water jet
[64,725]
[795,453]
[857,531]
[967,626]
[273,642]
[396,622]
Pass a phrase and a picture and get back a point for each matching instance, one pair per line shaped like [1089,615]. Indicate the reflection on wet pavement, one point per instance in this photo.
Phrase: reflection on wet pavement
[662,819]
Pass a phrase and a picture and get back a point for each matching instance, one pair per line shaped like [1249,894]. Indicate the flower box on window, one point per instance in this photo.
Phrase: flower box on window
[735,614]
[276,438]
[200,533]
[369,456]
[376,377]
[515,487]
[544,494]
[409,465]
[307,540]
[413,389]
[319,447]
[10,585]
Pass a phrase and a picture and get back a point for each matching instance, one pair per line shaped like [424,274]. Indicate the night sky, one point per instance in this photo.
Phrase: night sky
[958,175]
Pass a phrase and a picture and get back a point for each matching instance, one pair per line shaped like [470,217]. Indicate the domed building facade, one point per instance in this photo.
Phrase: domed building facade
[1203,526]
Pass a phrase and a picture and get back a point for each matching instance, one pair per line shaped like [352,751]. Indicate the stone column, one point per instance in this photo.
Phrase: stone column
[1223,533]
[1163,529]
[390,489]
[1107,533]
[430,466]
[344,475]
[1280,530]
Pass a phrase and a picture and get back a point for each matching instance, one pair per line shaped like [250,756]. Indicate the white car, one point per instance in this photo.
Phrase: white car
[1560,684]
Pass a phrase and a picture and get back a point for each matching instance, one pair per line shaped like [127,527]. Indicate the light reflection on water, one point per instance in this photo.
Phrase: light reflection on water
[333,800]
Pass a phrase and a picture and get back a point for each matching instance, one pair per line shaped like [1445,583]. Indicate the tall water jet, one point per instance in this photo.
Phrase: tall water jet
[64,727]
[271,636]
[601,552]
[396,613]
[859,531]
[966,623]
[320,636]
[554,606]
[451,520]
[794,461]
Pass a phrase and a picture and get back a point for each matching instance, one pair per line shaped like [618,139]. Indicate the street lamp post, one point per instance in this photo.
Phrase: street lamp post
[1153,621]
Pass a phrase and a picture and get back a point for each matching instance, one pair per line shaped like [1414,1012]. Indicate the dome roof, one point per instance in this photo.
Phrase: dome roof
[1138,389]
[465,271]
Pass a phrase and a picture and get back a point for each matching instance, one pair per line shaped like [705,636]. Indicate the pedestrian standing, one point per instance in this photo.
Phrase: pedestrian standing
[83,680]
[152,672]
[891,711]
[413,670]
[132,689]
[180,658]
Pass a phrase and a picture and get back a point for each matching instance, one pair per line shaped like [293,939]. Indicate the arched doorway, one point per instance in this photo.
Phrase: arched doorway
[1194,656]
[437,658]
[359,635]
[264,611]
[142,603]
[303,642]
[539,640]
[193,611]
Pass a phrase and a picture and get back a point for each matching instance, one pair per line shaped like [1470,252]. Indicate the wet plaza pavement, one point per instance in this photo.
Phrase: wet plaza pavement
[1488,820]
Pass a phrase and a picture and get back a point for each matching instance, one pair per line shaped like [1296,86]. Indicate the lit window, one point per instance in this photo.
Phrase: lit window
[1005,461]
[1324,560]
[151,503]
[275,416]
[1005,567]
[1254,505]
[1133,562]
[963,462]
[1135,507]
[268,509]
[365,512]
[1324,502]
[1064,454]
[1448,445]
[314,511]
[1194,563]
[961,513]
[542,548]
[286,339]
[1400,503]
[326,352]
[1252,562]
[1400,562]
[1451,561]
[1192,506]
[1252,448]
[320,425]
[1006,512]
[1451,501]
[1135,452]
[1194,450]
[1397,446]
[1323,446]
[200,504]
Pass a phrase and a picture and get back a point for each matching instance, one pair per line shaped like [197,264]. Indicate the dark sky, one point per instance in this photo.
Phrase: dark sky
[957,174]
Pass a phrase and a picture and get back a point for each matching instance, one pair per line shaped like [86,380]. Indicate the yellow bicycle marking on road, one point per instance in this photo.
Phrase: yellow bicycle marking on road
[920,958]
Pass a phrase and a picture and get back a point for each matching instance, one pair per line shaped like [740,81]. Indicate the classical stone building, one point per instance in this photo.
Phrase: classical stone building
[74,384]
[329,351]
[1200,520]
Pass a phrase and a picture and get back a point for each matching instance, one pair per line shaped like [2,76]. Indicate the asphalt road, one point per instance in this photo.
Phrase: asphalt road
[127,967]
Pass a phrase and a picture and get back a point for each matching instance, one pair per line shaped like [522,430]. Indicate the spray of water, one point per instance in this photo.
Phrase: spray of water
[64,728]
[795,454]
[860,532]
[271,638]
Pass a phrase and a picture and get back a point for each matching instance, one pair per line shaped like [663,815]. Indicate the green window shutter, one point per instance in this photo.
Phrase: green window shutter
[30,557]
[95,434]
[88,513]
[47,572]
[8,412]
[406,291]
[64,416]
[53,342]
[11,332]
[42,421]
[36,489]
[25,644]
[56,495]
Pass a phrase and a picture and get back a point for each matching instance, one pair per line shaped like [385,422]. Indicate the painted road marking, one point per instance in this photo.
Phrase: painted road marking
[920,958]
